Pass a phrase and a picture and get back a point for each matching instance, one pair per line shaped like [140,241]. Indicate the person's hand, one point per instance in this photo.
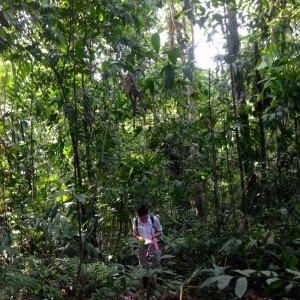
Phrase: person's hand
[154,240]
[139,238]
[149,240]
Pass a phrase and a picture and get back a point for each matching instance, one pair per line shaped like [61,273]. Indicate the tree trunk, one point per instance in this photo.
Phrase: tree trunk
[239,97]
[260,107]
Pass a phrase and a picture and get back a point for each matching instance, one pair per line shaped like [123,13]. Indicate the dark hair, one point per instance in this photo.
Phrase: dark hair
[142,210]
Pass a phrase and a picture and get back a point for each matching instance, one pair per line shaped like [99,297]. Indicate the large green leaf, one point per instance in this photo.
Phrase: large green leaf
[155,41]
[274,283]
[246,272]
[173,55]
[241,286]
[297,273]
[82,198]
[209,281]
[91,251]
[38,108]
[78,49]
[169,76]
[105,65]
[224,281]
[150,85]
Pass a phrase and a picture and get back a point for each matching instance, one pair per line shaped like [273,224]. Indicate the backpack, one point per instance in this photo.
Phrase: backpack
[136,223]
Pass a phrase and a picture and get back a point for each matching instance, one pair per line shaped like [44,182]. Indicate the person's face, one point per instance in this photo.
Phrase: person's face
[144,218]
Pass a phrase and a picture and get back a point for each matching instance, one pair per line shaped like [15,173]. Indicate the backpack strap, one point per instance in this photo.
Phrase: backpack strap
[136,225]
[152,219]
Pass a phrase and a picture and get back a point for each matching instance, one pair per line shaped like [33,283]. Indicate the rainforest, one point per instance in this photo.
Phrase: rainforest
[104,106]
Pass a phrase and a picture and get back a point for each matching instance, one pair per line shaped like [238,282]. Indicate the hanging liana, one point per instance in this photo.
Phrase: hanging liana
[131,90]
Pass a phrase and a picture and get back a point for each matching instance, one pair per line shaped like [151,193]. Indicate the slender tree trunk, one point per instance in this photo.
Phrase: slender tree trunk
[172,26]
[238,80]
[239,98]
[31,151]
[297,137]
[120,214]
[259,107]
[214,158]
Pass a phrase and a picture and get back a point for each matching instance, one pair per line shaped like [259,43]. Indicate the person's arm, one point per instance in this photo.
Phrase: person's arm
[157,234]
[135,232]
[139,238]
[158,227]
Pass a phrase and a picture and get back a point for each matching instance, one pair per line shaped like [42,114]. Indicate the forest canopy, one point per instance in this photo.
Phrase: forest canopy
[103,107]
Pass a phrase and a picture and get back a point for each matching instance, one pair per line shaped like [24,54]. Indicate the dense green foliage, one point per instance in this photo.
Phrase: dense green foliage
[103,107]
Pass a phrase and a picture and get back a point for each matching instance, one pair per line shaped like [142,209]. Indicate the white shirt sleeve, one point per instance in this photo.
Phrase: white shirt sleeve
[157,224]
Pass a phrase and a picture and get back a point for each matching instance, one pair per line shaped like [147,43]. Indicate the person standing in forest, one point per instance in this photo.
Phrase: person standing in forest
[146,230]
